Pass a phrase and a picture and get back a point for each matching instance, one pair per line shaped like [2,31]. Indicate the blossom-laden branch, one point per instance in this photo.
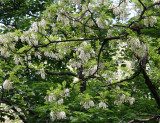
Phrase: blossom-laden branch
[127,79]
[145,120]
[142,13]
[103,44]
[14,109]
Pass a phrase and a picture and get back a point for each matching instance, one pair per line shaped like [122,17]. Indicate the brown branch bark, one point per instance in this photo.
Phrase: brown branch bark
[144,120]
[151,86]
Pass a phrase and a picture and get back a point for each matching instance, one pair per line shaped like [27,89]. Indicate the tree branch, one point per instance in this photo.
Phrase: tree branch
[142,4]
[144,120]
[62,74]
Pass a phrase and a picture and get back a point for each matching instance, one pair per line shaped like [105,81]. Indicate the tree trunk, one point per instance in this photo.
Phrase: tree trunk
[151,86]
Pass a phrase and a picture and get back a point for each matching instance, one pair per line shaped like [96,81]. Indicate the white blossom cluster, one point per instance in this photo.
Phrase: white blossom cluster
[59,115]
[30,38]
[17,59]
[90,71]
[53,98]
[64,20]
[4,52]
[123,98]
[35,27]
[50,98]
[119,10]
[101,23]
[105,2]
[83,54]
[131,100]
[42,73]
[140,49]
[156,1]
[60,101]
[37,54]
[66,92]
[150,21]
[120,99]
[75,1]
[7,85]
[57,56]
[87,105]
[102,105]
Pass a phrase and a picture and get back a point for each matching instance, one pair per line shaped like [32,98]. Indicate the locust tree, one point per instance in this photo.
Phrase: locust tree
[84,61]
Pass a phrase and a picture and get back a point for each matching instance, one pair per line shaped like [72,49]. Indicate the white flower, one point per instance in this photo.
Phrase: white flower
[17,60]
[156,1]
[42,73]
[93,70]
[131,100]
[102,105]
[122,98]
[91,103]
[75,80]
[153,20]
[100,23]
[39,57]
[51,97]
[60,101]
[35,42]
[35,27]
[7,85]
[61,115]
[66,92]
[53,116]
[45,62]
[43,23]
[86,105]
[116,11]
[46,53]
[16,38]
[29,57]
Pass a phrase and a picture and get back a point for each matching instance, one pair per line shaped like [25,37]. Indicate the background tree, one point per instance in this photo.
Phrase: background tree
[85,61]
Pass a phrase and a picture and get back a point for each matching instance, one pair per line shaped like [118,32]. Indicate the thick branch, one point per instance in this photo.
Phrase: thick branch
[142,4]
[151,86]
[144,120]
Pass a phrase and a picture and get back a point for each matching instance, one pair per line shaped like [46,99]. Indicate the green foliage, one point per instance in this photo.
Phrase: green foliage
[79,61]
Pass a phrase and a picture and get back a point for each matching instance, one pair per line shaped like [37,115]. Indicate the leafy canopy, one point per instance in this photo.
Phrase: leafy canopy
[84,61]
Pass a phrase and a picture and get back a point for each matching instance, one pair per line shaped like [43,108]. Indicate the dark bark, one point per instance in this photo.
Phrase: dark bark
[83,80]
[145,120]
[151,86]
[83,86]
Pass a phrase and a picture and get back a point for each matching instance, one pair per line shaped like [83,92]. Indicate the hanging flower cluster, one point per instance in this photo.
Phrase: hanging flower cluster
[140,49]
[7,85]
[87,105]
[60,115]
[150,21]
[102,105]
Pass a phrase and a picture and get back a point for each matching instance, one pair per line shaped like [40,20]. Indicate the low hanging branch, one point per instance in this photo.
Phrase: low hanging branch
[145,120]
